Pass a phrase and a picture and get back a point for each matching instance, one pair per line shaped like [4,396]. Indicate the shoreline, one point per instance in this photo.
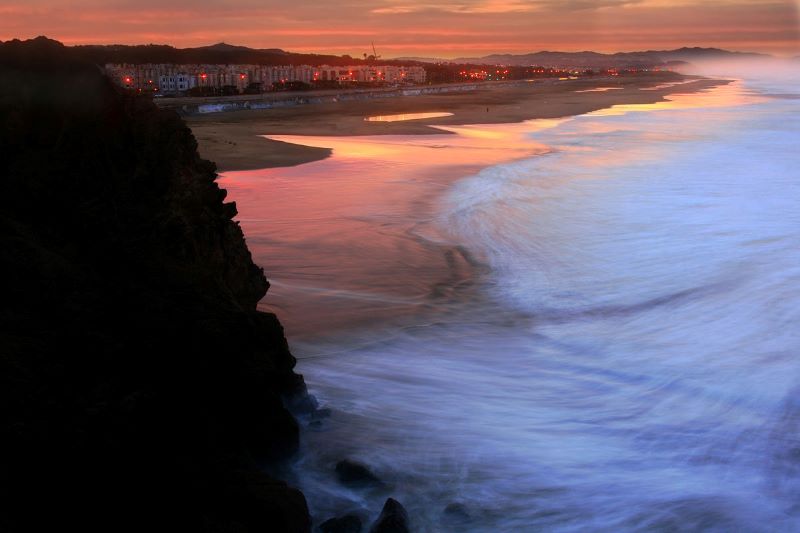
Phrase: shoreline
[194,105]
[235,140]
[484,367]
[305,287]
[356,237]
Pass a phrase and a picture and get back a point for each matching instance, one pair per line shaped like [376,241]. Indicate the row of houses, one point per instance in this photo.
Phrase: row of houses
[174,79]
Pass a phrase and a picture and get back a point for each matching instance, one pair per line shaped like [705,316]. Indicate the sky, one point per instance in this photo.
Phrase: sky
[423,28]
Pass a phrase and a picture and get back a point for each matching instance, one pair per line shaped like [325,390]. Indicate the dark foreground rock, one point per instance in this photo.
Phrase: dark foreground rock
[456,514]
[353,474]
[140,389]
[393,518]
[346,524]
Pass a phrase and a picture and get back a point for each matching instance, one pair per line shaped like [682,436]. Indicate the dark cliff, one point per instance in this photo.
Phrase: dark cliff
[139,387]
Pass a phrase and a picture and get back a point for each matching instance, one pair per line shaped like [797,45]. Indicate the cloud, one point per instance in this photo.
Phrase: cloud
[443,28]
[496,6]
[499,6]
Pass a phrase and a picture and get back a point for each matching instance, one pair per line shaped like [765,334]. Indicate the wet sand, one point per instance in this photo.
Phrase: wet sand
[357,232]
[351,242]
[234,139]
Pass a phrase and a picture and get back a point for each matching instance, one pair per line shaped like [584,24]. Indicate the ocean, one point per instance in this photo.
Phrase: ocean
[589,323]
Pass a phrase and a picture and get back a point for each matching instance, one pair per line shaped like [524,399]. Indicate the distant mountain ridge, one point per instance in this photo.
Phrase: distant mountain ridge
[219,53]
[225,47]
[225,53]
[599,60]
[424,59]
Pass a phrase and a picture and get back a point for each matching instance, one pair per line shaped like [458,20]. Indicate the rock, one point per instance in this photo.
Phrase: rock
[353,474]
[140,386]
[393,518]
[299,401]
[456,513]
[348,523]
[317,417]
[319,414]
[302,404]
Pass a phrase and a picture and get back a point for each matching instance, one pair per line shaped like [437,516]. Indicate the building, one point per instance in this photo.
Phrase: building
[179,79]
[176,83]
[372,74]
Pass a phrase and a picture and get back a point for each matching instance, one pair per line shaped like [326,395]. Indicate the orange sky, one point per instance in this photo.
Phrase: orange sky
[448,28]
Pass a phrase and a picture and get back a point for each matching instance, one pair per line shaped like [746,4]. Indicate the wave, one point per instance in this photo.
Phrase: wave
[626,356]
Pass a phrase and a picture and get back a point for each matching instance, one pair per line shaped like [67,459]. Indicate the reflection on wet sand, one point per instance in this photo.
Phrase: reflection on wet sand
[600,89]
[353,232]
[728,95]
[406,116]
[623,362]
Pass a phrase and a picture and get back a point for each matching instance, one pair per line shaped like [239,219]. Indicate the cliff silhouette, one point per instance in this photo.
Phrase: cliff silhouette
[140,389]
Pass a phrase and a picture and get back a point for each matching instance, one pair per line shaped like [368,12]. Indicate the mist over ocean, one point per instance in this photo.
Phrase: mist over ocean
[618,347]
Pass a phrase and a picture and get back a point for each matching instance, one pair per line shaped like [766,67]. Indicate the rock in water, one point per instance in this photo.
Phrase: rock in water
[393,518]
[349,523]
[353,474]
[140,388]
[456,514]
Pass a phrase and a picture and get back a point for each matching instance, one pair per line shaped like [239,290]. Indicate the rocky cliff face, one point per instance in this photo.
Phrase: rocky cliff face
[139,387]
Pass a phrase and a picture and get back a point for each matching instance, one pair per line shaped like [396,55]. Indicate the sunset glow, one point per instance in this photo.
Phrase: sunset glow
[415,28]
[400,265]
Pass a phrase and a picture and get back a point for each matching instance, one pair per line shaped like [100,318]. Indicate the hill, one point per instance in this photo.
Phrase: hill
[589,59]
[220,53]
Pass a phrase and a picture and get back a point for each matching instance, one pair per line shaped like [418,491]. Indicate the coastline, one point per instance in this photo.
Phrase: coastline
[516,323]
[234,139]
[336,236]
[305,288]
[346,368]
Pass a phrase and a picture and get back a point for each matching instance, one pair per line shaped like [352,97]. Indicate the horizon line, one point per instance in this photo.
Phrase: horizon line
[445,57]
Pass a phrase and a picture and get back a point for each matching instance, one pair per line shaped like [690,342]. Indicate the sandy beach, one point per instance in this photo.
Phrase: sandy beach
[356,231]
[233,139]
[528,292]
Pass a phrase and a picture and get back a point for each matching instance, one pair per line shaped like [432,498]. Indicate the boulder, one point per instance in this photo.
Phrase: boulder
[393,518]
[353,474]
[348,523]
[456,514]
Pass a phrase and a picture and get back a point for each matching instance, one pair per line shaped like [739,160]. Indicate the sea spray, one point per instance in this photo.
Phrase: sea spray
[628,358]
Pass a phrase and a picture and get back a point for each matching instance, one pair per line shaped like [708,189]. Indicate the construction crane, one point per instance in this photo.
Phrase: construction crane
[374,56]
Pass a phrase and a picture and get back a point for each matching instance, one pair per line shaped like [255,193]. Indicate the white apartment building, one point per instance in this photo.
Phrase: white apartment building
[174,79]
[176,83]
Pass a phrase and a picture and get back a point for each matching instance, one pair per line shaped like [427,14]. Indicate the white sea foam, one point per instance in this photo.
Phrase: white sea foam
[631,360]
